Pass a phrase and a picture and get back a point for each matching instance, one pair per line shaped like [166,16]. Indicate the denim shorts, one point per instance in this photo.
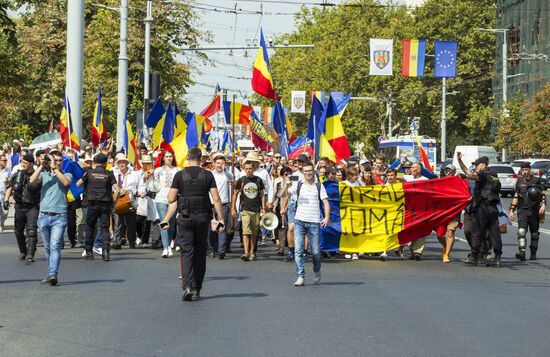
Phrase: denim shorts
[291,211]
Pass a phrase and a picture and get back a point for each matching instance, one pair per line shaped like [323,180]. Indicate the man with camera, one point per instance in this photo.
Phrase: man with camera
[27,199]
[190,195]
[99,183]
[52,219]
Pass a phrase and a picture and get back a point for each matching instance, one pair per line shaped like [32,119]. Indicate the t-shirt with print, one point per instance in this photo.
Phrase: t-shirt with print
[250,188]
[308,208]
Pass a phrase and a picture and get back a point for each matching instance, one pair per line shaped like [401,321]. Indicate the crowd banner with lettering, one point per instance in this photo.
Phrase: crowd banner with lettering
[379,218]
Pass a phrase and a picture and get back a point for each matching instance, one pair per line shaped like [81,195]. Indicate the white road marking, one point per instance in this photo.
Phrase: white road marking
[541,230]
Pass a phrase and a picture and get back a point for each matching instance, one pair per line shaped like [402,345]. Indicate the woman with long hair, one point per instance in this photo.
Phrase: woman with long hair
[164,174]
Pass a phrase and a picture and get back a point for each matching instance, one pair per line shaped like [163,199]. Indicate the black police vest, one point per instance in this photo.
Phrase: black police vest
[522,187]
[23,191]
[193,196]
[489,192]
[99,186]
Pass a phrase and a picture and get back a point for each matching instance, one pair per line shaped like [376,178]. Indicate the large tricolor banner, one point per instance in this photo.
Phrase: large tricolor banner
[375,219]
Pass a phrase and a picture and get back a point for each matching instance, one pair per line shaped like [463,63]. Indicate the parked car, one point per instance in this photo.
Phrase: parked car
[540,168]
[546,179]
[517,163]
[507,178]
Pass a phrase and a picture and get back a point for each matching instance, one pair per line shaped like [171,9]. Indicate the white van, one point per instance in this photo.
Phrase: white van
[471,152]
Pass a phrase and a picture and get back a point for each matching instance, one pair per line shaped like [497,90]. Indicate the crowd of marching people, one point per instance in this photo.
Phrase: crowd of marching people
[265,198]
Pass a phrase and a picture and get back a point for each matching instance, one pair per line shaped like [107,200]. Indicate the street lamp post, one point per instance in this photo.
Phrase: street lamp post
[147,64]
[75,62]
[122,73]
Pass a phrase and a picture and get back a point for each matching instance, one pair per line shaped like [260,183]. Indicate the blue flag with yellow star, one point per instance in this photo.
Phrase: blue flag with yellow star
[445,59]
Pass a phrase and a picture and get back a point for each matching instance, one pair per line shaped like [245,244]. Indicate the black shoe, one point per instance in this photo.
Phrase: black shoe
[222,255]
[415,256]
[494,262]
[52,280]
[89,254]
[73,244]
[212,254]
[22,256]
[105,255]
[30,259]
[195,294]
[187,295]
[281,253]
[533,255]
[521,255]
[471,261]
[244,258]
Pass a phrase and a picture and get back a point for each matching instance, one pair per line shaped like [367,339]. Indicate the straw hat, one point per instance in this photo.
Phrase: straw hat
[121,157]
[146,159]
[252,156]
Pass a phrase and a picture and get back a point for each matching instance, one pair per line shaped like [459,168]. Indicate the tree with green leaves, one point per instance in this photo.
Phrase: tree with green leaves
[340,62]
[41,36]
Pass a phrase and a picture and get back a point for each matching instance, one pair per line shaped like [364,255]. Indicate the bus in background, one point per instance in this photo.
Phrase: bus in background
[399,146]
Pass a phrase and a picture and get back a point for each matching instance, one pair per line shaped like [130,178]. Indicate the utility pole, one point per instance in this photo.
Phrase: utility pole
[122,74]
[443,119]
[147,64]
[75,62]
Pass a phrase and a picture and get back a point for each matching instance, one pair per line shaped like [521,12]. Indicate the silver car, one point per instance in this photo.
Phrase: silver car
[507,178]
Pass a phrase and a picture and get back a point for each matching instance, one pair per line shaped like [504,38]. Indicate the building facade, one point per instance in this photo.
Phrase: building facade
[528,40]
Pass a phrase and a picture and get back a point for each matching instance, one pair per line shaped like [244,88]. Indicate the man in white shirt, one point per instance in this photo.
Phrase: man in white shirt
[417,245]
[4,176]
[224,179]
[308,221]
[125,224]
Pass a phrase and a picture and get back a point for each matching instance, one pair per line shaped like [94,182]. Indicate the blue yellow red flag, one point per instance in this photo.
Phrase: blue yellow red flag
[262,81]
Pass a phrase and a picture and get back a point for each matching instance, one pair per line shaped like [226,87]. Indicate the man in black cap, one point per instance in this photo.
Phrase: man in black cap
[99,184]
[27,199]
[485,199]
[531,203]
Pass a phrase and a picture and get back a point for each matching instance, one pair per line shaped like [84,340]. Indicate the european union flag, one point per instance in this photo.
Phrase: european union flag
[445,59]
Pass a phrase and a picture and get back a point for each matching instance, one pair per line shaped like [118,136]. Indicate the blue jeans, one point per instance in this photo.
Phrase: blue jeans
[52,229]
[312,230]
[166,234]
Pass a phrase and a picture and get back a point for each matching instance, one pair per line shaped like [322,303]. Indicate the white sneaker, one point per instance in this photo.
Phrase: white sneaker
[172,244]
[354,256]
[170,253]
[138,241]
[317,279]
[347,256]
[98,250]
[84,253]
[178,248]
[165,253]
[299,281]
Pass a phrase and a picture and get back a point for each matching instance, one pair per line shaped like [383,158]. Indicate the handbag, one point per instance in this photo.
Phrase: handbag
[124,203]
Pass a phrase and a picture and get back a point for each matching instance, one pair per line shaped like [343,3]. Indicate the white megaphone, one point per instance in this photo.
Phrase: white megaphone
[269,221]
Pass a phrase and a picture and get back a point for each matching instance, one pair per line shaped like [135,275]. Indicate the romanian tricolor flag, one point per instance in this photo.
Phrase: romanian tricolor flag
[334,132]
[237,113]
[181,125]
[99,134]
[130,144]
[179,146]
[68,136]
[155,121]
[194,129]
[414,55]
[422,154]
[262,82]
[376,219]
[320,95]
[268,116]
[214,105]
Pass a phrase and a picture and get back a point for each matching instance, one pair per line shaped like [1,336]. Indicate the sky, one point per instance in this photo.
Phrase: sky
[233,69]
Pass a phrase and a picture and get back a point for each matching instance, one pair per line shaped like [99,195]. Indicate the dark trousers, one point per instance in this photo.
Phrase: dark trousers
[125,226]
[192,238]
[101,211]
[528,219]
[485,226]
[26,227]
[143,228]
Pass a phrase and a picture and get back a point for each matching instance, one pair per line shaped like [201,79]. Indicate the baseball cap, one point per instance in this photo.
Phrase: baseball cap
[481,160]
[450,167]
[525,165]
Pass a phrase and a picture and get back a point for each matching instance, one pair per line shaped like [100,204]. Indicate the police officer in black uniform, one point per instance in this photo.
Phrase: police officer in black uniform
[485,200]
[530,203]
[27,199]
[99,185]
[189,193]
